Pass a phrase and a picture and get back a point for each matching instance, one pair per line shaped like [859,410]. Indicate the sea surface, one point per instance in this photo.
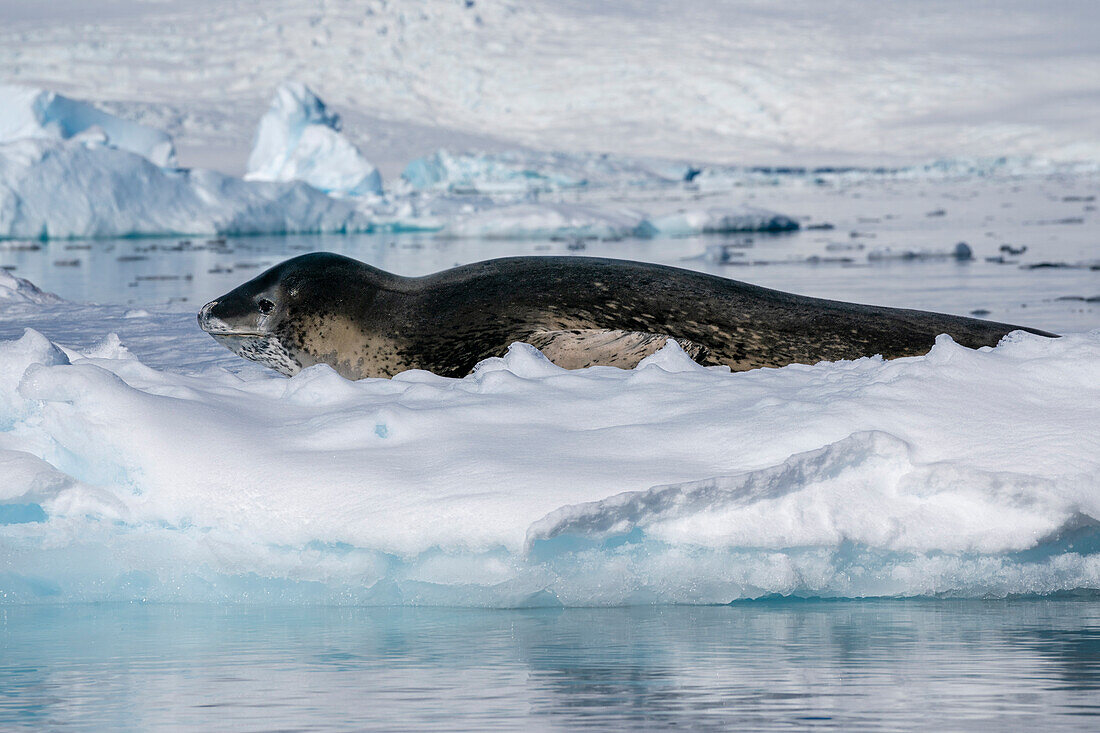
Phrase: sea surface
[765,665]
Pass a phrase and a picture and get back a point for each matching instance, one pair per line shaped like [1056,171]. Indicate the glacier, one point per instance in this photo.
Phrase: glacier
[299,139]
[146,463]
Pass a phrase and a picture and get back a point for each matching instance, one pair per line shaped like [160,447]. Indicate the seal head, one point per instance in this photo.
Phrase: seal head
[296,314]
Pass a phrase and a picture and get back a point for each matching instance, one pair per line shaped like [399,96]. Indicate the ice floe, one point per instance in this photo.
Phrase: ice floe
[142,468]
[299,139]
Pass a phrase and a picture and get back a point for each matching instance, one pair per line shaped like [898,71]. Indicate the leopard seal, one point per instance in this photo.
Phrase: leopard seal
[580,311]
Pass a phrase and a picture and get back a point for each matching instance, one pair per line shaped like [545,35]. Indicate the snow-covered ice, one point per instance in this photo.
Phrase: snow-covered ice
[299,140]
[158,466]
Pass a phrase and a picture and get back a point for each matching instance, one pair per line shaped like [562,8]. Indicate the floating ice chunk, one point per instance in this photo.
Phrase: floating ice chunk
[961,252]
[717,221]
[299,139]
[27,112]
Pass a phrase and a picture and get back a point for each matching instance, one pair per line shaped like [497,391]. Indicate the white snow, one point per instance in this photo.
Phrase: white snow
[28,112]
[299,140]
[143,468]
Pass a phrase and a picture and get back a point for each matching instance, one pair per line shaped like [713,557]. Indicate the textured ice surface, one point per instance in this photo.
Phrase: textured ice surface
[299,139]
[147,469]
[27,112]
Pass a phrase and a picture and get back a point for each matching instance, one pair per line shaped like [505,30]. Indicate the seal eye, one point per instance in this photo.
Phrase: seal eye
[266,306]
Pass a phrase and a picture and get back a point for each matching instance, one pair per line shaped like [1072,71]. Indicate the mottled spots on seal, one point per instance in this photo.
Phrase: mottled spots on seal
[364,322]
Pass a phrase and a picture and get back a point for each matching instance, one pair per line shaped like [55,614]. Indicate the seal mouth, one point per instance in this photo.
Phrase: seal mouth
[236,334]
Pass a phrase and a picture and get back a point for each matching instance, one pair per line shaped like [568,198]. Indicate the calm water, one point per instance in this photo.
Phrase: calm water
[881,665]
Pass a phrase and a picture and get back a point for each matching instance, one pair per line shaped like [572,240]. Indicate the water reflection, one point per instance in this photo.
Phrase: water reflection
[973,664]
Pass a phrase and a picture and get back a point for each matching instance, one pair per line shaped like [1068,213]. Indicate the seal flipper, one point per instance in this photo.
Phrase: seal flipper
[579,348]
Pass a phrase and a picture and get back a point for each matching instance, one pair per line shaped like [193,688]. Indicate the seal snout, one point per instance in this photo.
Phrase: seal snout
[209,322]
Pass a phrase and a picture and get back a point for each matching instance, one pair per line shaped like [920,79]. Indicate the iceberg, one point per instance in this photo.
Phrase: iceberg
[28,112]
[80,188]
[299,139]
